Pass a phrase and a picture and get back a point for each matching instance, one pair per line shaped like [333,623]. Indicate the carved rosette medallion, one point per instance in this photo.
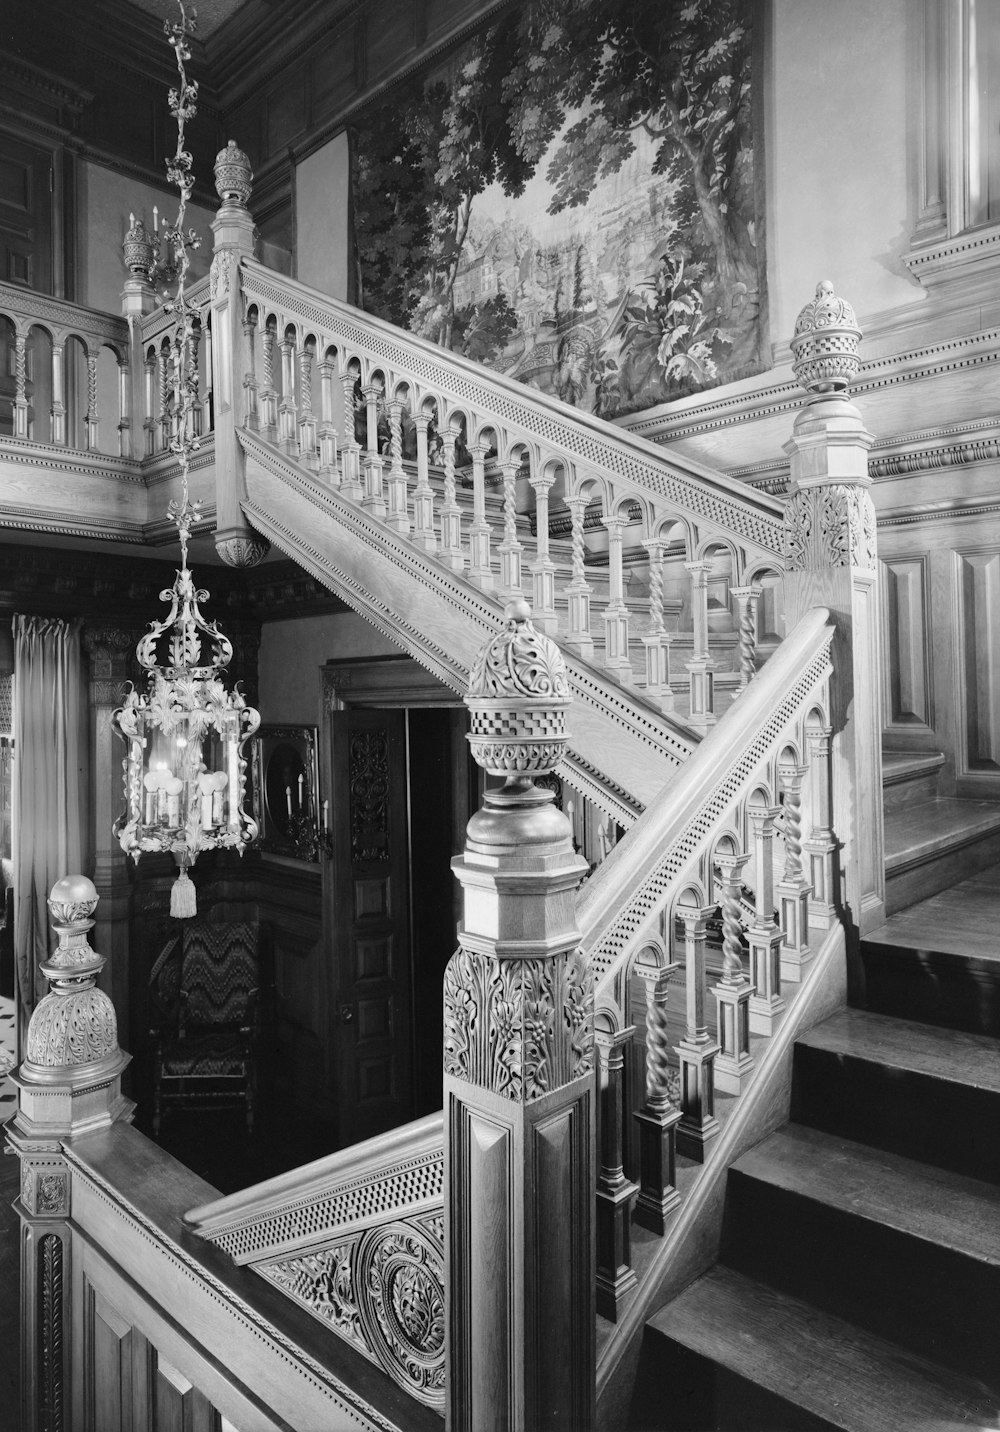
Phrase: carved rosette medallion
[382,1291]
[242,550]
[400,1279]
[830,526]
[519,1028]
[44,1190]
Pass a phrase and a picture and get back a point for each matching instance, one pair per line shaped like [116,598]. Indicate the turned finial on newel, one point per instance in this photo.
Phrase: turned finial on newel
[518,696]
[233,175]
[825,343]
[74,1026]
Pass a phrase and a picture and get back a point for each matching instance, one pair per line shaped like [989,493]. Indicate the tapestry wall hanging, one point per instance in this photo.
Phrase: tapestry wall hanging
[570,199]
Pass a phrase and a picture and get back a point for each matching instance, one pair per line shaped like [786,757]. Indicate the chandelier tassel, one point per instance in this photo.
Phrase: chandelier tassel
[183,897]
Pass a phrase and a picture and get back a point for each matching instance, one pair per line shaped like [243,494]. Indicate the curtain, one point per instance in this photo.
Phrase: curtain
[49,753]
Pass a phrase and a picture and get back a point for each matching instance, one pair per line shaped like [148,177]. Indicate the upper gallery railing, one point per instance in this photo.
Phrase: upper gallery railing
[57,350]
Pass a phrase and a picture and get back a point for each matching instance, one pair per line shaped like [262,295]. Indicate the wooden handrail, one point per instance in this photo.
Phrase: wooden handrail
[620,898]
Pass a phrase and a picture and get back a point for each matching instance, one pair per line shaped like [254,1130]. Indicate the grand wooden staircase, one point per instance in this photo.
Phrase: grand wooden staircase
[856,1237]
[858,1283]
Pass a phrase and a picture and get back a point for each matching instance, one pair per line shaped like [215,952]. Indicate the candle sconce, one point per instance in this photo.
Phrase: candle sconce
[294,823]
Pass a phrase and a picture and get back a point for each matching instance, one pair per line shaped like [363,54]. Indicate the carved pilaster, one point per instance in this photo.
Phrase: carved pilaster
[519,1070]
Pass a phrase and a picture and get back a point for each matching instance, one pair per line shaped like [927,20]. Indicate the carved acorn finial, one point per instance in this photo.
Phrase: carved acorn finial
[233,175]
[74,1025]
[138,250]
[518,695]
[825,343]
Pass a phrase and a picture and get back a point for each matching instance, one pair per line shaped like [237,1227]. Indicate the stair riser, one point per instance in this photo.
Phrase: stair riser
[900,794]
[951,1125]
[939,871]
[941,989]
[894,1285]
[679,1390]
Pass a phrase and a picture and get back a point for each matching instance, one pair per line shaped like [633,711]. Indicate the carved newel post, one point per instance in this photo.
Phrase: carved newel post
[69,1083]
[519,1071]
[831,560]
[235,540]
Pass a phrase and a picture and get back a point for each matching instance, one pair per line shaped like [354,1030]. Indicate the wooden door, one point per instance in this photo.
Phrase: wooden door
[25,214]
[371,1026]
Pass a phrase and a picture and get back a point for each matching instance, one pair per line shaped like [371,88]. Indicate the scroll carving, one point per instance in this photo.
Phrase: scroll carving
[382,1291]
[830,526]
[369,781]
[518,1027]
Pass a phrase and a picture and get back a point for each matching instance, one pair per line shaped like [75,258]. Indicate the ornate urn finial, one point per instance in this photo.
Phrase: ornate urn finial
[138,249]
[74,1025]
[233,175]
[518,695]
[825,344]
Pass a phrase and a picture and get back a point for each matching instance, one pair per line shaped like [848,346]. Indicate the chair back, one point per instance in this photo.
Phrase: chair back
[219,971]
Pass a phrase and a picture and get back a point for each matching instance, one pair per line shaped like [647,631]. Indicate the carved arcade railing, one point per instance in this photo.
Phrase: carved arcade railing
[612,539]
[56,348]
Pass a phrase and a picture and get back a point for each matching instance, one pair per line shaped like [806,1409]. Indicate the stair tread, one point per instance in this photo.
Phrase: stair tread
[933,1204]
[916,833]
[937,1052]
[821,1363]
[963,920]
[908,765]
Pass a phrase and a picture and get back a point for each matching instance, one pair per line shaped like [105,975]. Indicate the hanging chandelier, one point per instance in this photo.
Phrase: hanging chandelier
[185,772]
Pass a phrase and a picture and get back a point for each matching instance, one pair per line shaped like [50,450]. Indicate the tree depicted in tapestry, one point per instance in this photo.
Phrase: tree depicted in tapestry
[570,200]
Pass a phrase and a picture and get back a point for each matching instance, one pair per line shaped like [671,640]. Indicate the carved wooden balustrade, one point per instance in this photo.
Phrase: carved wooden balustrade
[734,869]
[373,505]
[611,539]
[57,347]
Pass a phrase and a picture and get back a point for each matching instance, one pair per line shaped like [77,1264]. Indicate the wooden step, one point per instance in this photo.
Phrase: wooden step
[913,1089]
[933,844]
[910,777]
[939,961]
[906,1250]
[780,1364]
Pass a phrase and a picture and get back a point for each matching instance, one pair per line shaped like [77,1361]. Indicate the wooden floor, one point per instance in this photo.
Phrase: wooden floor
[964,920]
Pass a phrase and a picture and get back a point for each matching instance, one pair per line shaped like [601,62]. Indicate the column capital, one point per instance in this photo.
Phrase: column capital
[695,918]
[762,819]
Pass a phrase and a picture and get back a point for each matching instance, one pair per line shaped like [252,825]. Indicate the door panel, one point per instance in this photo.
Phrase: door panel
[25,214]
[371,1036]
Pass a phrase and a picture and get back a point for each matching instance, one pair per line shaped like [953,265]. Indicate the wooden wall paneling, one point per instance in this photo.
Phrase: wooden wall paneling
[977,574]
[137,1365]
[906,655]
